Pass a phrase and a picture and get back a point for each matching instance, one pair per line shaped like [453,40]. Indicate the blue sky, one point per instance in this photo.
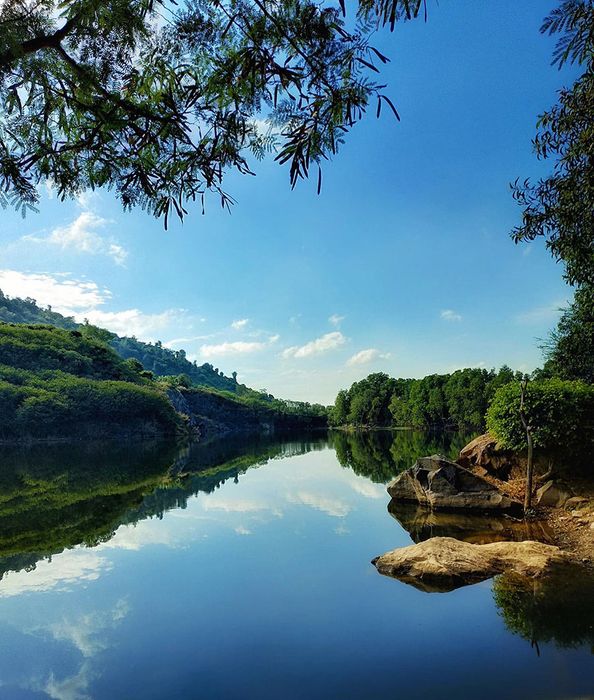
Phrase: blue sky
[402,265]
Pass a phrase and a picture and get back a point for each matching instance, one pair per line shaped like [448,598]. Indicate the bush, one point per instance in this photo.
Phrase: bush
[560,412]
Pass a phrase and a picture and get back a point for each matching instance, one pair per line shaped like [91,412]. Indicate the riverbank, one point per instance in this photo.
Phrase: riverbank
[562,497]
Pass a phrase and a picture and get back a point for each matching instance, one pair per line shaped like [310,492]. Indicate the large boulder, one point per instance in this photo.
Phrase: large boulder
[484,453]
[438,483]
[442,564]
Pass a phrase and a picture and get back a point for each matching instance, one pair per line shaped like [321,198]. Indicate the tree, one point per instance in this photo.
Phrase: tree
[560,207]
[159,99]
[570,348]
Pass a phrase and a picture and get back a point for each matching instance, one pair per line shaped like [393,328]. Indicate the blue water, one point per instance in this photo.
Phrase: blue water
[262,588]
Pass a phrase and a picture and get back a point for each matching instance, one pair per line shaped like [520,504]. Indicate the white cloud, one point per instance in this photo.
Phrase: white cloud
[86,632]
[234,505]
[331,506]
[228,348]
[237,347]
[240,323]
[241,530]
[81,235]
[71,566]
[335,320]
[81,299]
[365,356]
[541,314]
[65,295]
[73,687]
[329,341]
[134,322]
[450,315]
[367,489]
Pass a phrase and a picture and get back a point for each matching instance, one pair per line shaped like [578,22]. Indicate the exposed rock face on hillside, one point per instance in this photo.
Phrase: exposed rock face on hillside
[211,415]
[438,483]
[442,563]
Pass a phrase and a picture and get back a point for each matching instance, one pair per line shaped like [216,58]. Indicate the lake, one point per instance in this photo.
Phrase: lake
[242,570]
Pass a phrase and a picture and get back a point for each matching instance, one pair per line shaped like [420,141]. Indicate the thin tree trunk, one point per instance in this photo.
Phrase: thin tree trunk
[528,492]
[528,429]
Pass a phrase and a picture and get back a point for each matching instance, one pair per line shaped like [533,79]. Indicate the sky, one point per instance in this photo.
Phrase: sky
[403,264]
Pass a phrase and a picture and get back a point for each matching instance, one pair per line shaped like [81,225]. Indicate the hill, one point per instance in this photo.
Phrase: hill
[153,356]
[67,383]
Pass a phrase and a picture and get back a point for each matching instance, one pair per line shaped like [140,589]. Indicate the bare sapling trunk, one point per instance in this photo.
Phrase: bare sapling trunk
[528,429]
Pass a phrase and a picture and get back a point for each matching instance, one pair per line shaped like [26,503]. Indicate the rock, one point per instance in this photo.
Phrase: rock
[551,495]
[574,501]
[483,452]
[438,483]
[442,564]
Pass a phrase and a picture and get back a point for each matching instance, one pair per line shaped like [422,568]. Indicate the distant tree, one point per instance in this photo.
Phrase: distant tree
[560,206]
[158,99]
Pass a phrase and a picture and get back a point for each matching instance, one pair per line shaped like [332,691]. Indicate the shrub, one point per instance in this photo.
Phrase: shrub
[560,412]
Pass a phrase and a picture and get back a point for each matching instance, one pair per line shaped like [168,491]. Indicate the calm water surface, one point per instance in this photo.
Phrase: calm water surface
[243,571]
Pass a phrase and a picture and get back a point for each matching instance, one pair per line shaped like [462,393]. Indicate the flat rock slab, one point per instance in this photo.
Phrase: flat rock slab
[438,483]
[443,563]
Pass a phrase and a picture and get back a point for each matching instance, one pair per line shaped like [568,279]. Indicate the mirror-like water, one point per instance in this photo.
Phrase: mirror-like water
[242,570]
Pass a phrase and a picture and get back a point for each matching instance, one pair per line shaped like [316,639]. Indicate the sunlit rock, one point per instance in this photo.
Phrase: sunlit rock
[443,563]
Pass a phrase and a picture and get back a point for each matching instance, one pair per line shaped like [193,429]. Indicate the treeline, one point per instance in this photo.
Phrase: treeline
[457,400]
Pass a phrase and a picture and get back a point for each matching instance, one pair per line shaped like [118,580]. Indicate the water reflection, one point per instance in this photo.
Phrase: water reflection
[135,571]
[558,608]
[54,497]
[380,455]
[424,523]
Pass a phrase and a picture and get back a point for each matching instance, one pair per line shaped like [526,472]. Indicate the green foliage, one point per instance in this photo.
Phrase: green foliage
[559,207]
[439,400]
[560,413]
[108,94]
[56,383]
[570,348]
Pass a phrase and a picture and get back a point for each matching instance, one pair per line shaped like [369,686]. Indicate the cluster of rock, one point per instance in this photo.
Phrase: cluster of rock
[449,499]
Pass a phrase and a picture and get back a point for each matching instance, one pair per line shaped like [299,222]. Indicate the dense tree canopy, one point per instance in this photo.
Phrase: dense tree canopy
[158,99]
[452,400]
[560,207]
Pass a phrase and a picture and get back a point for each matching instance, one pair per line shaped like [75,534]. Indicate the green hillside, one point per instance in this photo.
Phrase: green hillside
[67,383]
[153,356]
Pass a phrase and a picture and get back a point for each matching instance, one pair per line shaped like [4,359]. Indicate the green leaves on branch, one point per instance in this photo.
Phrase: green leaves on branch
[160,100]
[560,207]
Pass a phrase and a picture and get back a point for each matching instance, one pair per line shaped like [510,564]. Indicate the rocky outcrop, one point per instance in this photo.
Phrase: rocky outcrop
[442,563]
[438,483]
[484,453]
[211,415]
